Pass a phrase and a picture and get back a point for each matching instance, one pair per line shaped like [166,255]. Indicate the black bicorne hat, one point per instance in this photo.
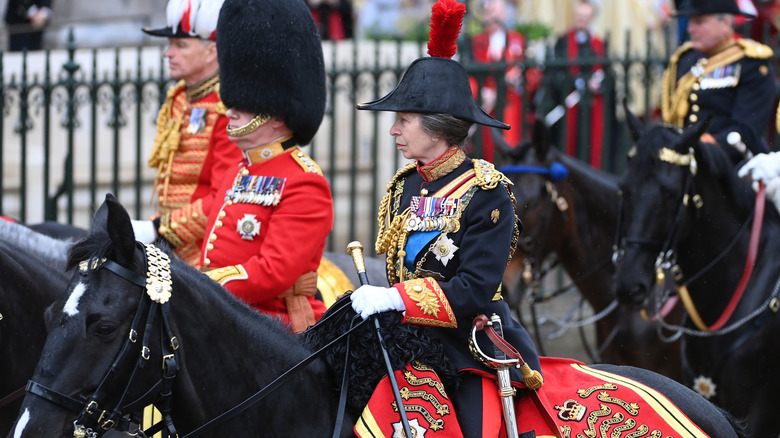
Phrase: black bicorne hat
[270,62]
[189,19]
[704,7]
[437,84]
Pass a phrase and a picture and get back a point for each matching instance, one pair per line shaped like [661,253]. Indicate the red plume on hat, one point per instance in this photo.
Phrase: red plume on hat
[446,21]
[437,84]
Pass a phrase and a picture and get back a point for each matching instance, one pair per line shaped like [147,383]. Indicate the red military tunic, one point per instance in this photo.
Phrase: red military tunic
[513,51]
[571,46]
[191,153]
[269,234]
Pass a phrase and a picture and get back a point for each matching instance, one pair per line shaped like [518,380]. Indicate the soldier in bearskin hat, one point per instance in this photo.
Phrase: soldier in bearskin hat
[719,75]
[448,227]
[191,150]
[266,234]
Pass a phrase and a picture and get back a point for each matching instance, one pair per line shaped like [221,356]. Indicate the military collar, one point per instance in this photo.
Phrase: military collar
[446,163]
[203,89]
[266,152]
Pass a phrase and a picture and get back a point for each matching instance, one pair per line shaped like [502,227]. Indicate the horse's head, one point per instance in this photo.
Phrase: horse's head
[659,202]
[534,169]
[100,335]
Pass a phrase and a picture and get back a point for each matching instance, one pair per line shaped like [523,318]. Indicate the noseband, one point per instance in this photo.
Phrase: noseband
[157,287]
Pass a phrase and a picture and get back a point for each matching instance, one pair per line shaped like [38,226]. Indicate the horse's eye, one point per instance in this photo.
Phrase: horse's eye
[105,330]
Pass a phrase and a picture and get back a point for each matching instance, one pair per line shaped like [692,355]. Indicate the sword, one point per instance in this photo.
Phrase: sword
[505,388]
[355,249]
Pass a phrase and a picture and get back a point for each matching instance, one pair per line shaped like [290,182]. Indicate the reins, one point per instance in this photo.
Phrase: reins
[667,260]
[157,288]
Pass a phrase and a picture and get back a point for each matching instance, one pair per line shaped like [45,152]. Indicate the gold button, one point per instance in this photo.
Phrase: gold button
[222,214]
[244,172]
[206,262]
[212,237]
[695,108]
[210,247]
[183,221]
[693,118]
[694,97]
[174,225]
[218,224]
[229,202]
[162,230]
[417,288]
[696,86]
[195,215]
[424,192]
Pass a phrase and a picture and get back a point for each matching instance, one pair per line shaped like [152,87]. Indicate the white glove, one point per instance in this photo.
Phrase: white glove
[762,167]
[368,300]
[144,231]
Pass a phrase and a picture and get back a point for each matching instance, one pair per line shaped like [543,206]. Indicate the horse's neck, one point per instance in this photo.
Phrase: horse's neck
[241,348]
[718,224]
[593,204]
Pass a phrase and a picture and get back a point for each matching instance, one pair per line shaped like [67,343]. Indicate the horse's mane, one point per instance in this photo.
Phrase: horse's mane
[51,252]
[406,343]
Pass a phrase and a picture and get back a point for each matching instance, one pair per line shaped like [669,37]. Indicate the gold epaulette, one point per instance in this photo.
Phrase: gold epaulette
[754,49]
[487,176]
[306,162]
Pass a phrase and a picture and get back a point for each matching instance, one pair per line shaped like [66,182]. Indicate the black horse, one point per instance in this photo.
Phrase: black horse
[572,216]
[33,277]
[220,350]
[686,214]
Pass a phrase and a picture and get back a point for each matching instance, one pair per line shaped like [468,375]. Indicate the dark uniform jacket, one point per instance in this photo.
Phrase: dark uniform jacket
[735,87]
[453,221]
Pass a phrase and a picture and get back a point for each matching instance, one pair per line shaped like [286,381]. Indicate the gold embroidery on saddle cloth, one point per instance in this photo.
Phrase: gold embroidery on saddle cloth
[433,423]
[631,408]
[585,393]
[429,381]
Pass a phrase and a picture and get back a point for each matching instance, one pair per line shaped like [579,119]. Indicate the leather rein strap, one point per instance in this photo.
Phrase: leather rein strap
[750,262]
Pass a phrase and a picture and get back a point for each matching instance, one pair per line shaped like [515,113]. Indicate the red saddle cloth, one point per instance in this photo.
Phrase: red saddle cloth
[583,401]
[575,400]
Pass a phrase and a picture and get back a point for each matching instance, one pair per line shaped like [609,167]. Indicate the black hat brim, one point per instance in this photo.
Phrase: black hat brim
[433,85]
[167,32]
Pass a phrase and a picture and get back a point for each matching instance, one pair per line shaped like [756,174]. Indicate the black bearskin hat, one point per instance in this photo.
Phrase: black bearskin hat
[437,84]
[704,7]
[270,62]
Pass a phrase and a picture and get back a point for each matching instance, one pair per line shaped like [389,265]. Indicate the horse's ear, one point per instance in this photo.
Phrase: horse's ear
[635,126]
[541,139]
[120,231]
[504,149]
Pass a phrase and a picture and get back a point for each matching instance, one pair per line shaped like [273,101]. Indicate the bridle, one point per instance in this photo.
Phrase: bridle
[94,419]
[667,258]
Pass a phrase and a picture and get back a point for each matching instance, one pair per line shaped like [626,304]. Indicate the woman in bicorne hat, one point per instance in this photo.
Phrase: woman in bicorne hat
[447,224]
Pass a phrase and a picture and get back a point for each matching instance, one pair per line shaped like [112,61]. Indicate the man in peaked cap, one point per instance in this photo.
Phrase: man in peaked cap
[721,76]
[267,236]
[191,151]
